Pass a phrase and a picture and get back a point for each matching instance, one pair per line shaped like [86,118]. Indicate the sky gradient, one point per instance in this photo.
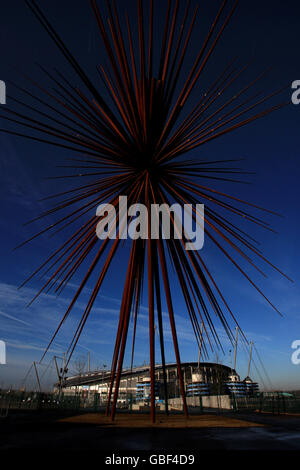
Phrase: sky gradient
[268,147]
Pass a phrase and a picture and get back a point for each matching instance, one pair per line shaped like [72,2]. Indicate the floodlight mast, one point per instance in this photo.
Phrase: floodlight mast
[235,347]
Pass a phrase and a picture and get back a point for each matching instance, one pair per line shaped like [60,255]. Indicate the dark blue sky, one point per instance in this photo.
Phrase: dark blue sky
[264,31]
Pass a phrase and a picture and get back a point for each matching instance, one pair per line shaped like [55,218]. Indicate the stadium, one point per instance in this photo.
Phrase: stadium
[206,380]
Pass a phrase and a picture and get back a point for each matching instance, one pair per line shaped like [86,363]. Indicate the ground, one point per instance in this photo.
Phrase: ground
[131,433]
[162,421]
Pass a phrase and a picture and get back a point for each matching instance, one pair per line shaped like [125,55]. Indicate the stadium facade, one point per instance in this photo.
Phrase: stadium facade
[204,379]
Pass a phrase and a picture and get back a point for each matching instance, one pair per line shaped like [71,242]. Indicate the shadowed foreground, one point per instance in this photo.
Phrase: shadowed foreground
[54,430]
[162,421]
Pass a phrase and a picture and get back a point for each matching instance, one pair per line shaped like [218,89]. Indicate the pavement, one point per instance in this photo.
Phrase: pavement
[243,432]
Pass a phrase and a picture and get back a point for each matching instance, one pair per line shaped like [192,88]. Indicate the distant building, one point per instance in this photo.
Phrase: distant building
[199,380]
[241,388]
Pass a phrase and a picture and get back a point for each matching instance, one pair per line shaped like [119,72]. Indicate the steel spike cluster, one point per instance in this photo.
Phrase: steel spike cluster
[134,142]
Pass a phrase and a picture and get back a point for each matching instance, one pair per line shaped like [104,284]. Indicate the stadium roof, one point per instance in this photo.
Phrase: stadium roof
[92,377]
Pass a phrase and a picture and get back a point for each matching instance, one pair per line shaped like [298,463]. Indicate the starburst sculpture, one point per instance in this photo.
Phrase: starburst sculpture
[134,129]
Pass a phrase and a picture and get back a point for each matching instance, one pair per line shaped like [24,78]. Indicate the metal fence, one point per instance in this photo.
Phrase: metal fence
[265,403]
[14,400]
[37,401]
